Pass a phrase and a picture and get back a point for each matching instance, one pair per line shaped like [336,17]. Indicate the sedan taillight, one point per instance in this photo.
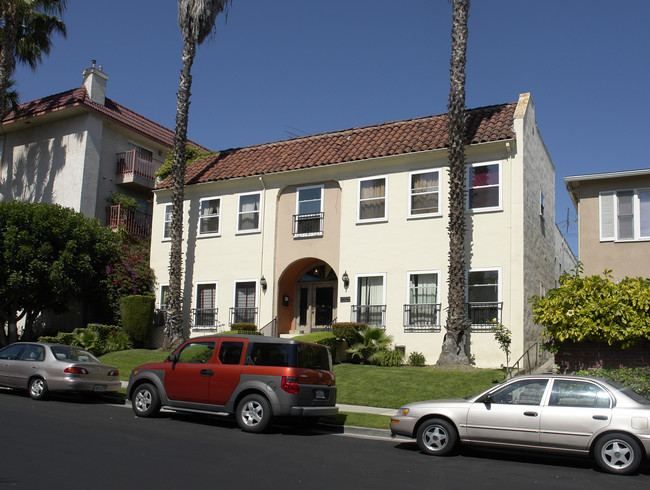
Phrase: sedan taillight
[75,370]
[113,372]
[290,385]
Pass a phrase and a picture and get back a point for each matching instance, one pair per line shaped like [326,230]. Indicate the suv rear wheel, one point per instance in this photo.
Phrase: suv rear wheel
[253,413]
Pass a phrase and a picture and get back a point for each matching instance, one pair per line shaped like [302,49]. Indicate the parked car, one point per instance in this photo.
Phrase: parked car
[42,368]
[567,414]
[255,378]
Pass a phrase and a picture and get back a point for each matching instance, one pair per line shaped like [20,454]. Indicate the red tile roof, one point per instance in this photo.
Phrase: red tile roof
[111,110]
[485,124]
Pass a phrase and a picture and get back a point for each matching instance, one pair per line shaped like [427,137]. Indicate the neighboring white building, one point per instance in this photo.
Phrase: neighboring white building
[351,226]
[78,147]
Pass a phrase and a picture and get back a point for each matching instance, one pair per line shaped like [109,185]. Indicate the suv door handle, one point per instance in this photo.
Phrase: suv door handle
[206,372]
[530,414]
[599,417]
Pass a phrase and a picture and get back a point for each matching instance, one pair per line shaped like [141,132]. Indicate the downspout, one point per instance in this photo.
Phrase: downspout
[263,227]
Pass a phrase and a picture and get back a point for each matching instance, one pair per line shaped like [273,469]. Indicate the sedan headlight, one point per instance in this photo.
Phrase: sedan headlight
[403,411]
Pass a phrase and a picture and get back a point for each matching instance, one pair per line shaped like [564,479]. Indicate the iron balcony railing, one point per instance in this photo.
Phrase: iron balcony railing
[308,225]
[243,315]
[484,316]
[160,317]
[422,317]
[205,318]
[136,223]
[374,315]
[135,163]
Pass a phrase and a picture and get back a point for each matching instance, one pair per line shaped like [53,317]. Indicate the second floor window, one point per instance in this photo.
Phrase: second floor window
[209,217]
[372,199]
[625,215]
[309,212]
[484,186]
[167,222]
[248,214]
[424,193]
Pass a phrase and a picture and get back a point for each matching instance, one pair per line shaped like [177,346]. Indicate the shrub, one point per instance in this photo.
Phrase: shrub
[137,313]
[348,331]
[636,378]
[243,327]
[417,359]
[96,339]
[388,358]
[373,339]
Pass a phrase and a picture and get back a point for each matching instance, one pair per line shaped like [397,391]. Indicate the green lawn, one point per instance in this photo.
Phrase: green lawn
[126,360]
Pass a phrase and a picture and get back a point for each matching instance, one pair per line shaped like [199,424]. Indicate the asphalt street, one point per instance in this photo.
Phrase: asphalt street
[71,443]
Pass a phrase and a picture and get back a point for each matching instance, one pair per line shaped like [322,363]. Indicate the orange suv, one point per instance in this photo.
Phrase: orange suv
[253,377]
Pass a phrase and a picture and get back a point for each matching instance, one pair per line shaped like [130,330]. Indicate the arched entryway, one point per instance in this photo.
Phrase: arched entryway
[308,303]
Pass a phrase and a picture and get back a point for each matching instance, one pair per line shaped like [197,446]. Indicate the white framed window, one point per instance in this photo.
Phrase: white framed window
[163,298]
[248,212]
[484,186]
[624,215]
[167,222]
[373,205]
[308,220]
[205,313]
[484,298]
[210,216]
[245,300]
[422,311]
[424,194]
[423,287]
[371,299]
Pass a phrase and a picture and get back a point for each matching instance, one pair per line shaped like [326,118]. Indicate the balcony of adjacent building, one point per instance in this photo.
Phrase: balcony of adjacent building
[136,223]
[137,168]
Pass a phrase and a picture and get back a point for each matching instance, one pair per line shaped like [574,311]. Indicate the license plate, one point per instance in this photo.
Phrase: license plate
[319,395]
[99,388]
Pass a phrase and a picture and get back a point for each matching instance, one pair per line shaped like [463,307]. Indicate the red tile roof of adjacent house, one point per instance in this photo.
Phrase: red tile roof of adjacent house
[111,110]
[485,124]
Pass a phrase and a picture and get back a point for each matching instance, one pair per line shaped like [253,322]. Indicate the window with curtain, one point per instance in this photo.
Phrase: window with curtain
[209,216]
[370,290]
[249,212]
[206,296]
[167,222]
[164,297]
[484,186]
[245,295]
[624,215]
[425,193]
[372,199]
[423,288]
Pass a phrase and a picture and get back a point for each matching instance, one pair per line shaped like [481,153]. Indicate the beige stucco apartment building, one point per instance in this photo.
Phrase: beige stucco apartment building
[351,226]
[614,222]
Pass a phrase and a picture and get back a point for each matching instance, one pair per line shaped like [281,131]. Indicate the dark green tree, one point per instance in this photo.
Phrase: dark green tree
[196,21]
[26,30]
[454,343]
[50,256]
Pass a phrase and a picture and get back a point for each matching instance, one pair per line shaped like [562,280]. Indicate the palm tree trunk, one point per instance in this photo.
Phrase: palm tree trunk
[454,344]
[174,332]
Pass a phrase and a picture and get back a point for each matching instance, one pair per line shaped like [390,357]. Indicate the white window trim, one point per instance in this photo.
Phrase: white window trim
[160,294]
[415,273]
[259,227]
[410,194]
[218,232]
[164,238]
[356,285]
[485,269]
[636,214]
[372,220]
[307,187]
[203,283]
[498,207]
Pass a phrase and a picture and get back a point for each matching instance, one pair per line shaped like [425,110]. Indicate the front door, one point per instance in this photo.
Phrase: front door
[315,305]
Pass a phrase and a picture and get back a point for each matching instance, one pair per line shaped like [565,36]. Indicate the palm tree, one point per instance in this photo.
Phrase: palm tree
[25,35]
[453,347]
[196,21]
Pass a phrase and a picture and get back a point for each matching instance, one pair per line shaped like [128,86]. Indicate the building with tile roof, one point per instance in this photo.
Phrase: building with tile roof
[351,226]
[613,222]
[78,147]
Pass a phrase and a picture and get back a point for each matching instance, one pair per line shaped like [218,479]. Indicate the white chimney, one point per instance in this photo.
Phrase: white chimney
[95,83]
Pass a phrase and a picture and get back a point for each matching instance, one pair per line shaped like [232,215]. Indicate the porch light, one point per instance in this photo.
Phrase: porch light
[346,280]
[264,284]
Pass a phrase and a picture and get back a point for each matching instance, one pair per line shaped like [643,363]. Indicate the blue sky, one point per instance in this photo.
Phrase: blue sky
[284,68]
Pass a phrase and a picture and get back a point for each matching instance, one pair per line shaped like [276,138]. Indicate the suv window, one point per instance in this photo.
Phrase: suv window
[196,352]
[314,357]
[271,354]
[230,352]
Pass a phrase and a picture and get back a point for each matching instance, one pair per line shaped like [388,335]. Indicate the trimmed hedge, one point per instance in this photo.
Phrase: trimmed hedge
[348,331]
[244,327]
[136,312]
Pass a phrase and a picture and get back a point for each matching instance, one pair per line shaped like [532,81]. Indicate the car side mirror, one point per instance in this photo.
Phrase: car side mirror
[173,358]
[487,399]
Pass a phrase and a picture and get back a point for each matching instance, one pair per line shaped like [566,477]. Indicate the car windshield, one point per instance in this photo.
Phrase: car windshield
[65,353]
[633,392]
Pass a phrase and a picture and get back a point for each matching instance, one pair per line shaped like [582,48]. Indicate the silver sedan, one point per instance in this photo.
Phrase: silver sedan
[568,414]
[41,368]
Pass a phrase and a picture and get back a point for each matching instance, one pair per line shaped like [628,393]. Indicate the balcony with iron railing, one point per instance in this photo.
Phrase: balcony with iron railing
[137,169]
[243,315]
[484,316]
[422,317]
[374,315]
[308,225]
[136,223]
[205,319]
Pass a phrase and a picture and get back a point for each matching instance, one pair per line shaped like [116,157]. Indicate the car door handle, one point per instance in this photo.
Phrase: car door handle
[600,417]
[530,414]
[206,372]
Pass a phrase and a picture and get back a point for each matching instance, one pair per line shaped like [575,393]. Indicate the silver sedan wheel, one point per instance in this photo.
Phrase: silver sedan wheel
[435,438]
[37,389]
[617,454]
